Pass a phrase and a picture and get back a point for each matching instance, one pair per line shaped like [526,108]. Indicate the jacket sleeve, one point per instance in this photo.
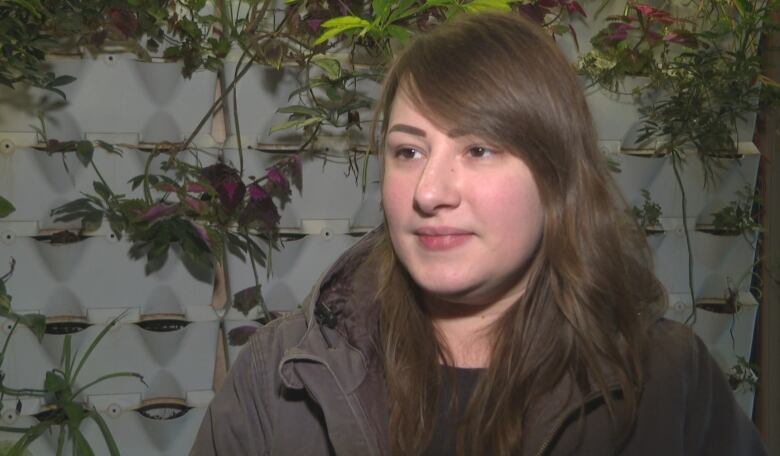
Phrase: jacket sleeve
[714,422]
[235,421]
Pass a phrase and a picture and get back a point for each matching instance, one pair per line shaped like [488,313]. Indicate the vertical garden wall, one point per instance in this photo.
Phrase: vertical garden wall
[175,175]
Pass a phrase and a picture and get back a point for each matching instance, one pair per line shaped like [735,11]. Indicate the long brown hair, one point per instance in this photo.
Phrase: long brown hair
[591,290]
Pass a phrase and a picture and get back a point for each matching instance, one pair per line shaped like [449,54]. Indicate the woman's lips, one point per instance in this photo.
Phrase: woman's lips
[442,238]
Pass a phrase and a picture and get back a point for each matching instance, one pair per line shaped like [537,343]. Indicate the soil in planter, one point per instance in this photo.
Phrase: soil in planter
[720,306]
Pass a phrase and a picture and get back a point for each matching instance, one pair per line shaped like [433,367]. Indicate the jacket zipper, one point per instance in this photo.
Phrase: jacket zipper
[590,399]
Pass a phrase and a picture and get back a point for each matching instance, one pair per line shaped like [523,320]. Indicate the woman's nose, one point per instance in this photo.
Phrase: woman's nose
[437,186]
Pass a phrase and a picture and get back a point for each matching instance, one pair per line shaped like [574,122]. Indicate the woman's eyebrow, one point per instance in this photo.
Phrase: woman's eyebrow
[403,128]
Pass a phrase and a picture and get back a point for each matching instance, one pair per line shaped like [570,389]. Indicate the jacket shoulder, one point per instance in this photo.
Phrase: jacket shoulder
[687,398]
[239,418]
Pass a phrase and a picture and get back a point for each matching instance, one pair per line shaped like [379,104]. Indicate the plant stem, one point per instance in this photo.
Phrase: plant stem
[676,160]
[245,233]
[236,122]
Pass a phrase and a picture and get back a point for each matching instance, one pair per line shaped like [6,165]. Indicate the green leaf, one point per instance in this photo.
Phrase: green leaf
[488,5]
[330,33]
[20,447]
[113,449]
[92,345]
[92,221]
[35,322]
[108,377]
[33,6]
[81,443]
[109,148]
[66,361]
[60,81]
[84,151]
[75,413]
[345,21]
[5,303]
[381,9]
[402,10]
[332,67]
[298,123]
[247,299]
[402,34]
[6,208]
[304,110]
[102,190]
[340,25]
[55,382]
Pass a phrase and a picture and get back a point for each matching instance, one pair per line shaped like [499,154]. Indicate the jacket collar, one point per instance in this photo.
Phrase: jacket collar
[341,315]
[337,359]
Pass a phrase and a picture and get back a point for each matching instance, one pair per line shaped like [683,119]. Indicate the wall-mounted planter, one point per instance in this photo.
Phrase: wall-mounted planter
[37,182]
[616,115]
[716,330]
[637,172]
[295,269]
[25,363]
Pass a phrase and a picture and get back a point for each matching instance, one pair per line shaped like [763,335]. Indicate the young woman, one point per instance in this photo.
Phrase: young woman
[507,305]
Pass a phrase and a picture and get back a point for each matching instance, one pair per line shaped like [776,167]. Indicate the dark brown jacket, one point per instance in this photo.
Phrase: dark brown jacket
[311,384]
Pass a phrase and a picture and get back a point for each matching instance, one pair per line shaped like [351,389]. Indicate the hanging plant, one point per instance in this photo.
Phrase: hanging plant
[737,218]
[647,217]
[705,67]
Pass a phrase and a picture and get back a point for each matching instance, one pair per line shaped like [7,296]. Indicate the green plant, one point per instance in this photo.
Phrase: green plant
[633,44]
[743,375]
[65,409]
[36,323]
[647,217]
[207,210]
[705,71]
[737,217]
[6,208]
[705,67]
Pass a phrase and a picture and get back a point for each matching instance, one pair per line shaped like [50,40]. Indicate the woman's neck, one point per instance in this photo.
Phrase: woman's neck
[465,330]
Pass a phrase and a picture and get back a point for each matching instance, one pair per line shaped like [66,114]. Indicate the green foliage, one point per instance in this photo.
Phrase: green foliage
[705,69]
[35,322]
[744,374]
[6,208]
[329,98]
[5,448]
[647,217]
[737,217]
[65,408]
[391,19]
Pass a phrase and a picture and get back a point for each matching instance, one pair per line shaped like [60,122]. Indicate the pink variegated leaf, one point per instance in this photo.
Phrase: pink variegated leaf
[159,211]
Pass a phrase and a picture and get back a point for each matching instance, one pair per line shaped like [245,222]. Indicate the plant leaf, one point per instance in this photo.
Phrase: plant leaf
[298,123]
[60,81]
[298,109]
[84,151]
[81,443]
[402,34]
[102,190]
[92,346]
[113,449]
[332,67]
[55,382]
[35,322]
[6,208]
[247,299]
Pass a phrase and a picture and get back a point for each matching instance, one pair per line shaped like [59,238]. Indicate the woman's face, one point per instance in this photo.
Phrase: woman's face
[464,217]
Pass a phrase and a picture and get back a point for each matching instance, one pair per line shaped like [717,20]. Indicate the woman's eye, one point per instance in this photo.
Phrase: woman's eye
[480,151]
[407,153]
